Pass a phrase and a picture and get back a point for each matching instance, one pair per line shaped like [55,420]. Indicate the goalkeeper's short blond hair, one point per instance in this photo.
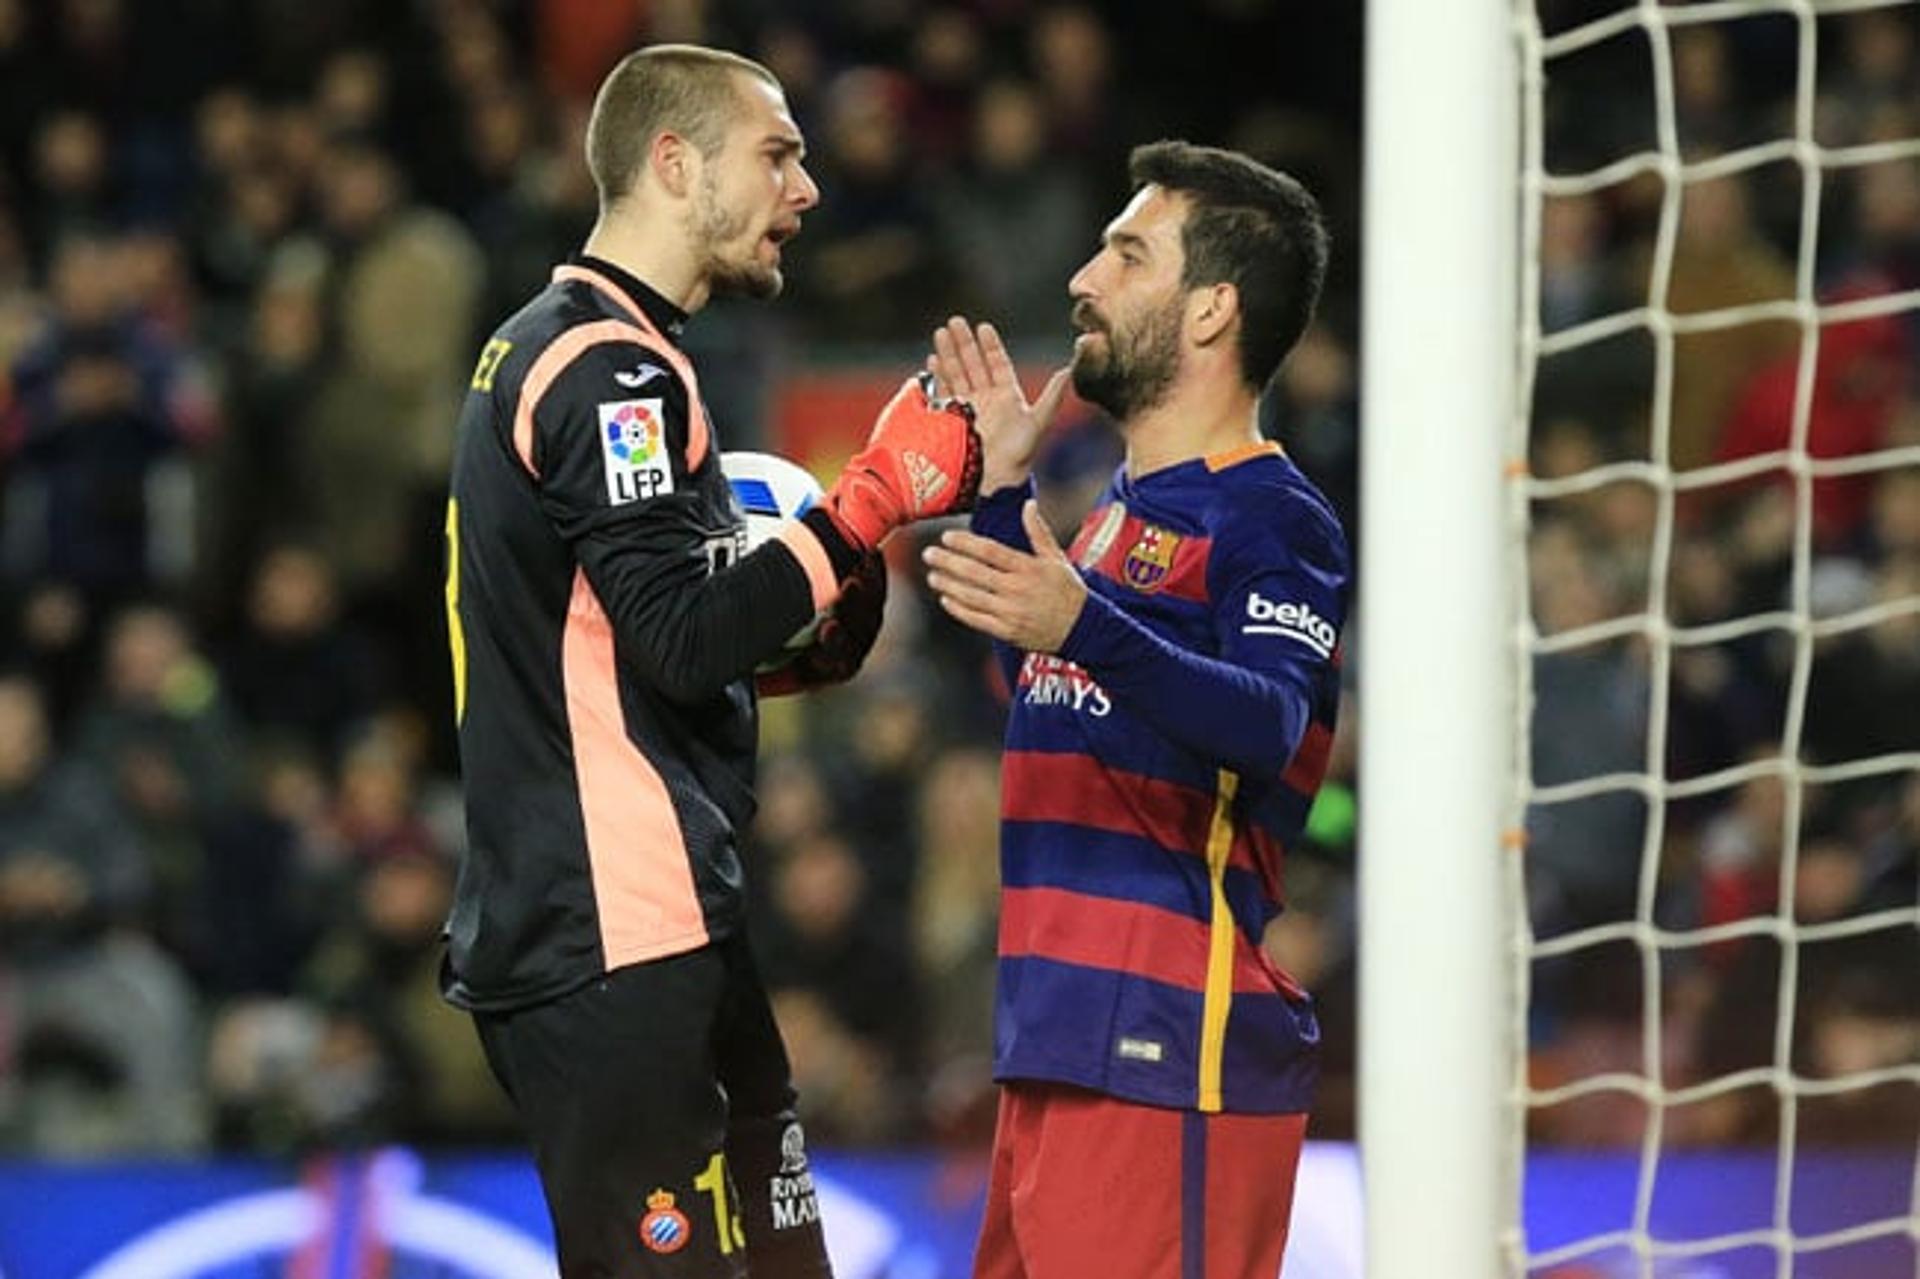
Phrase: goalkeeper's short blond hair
[686,89]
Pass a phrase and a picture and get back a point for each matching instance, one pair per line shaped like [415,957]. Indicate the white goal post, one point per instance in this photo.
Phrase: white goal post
[1439,270]
[1456,177]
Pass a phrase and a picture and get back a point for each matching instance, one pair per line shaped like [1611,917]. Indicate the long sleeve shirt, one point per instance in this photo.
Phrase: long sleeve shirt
[605,624]
[1156,769]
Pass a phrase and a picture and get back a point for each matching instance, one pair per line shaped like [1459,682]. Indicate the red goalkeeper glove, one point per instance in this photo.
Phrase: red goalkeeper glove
[921,460]
[844,637]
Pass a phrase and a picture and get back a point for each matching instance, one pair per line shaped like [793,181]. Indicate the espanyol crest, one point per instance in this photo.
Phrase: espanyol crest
[665,1227]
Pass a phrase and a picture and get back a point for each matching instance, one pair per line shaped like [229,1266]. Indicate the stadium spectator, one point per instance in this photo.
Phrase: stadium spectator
[160,733]
[103,403]
[1589,720]
[955,921]
[1865,683]
[831,935]
[1014,219]
[891,742]
[276,365]
[1860,380]
[1091,121]
[1896,514]
[1881,237]
[297,672]
[1874,79]
[101,1023]
[271,878]
[869,266]
[376,971]
[1709,115]
[405,280]
[949,63]
[72,180]
[1720,261]
[1574,286]
[1313,409]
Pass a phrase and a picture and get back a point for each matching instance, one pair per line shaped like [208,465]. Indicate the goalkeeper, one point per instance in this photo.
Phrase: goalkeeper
[1175,677]
[605,626]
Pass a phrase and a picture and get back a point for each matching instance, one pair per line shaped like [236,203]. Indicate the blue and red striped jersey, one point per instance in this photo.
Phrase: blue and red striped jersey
[1156,770]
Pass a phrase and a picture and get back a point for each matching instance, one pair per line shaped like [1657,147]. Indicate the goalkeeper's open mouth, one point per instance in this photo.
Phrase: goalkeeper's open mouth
[779,234]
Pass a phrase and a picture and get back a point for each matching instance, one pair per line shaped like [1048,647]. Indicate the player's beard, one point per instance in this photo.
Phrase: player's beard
[1134,368]
[719,227]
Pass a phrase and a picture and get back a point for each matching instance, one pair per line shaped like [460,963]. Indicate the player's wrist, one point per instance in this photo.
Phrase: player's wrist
[995,480]
[1081,644]
[842,546]
[862,506]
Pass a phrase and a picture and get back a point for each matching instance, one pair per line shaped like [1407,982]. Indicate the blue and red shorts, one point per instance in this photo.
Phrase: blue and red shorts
[1085,1184]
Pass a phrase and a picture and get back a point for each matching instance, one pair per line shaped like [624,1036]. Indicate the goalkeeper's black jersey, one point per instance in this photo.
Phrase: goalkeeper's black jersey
[604,627]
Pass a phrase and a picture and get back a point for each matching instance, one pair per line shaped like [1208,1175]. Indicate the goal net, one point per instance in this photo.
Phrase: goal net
[1716,535]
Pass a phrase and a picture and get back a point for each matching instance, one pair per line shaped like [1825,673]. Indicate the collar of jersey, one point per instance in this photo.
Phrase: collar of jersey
[631,292]
[1213,463]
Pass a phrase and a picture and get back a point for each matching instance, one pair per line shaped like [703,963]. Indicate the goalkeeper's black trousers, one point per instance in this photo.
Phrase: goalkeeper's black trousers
[659,1102]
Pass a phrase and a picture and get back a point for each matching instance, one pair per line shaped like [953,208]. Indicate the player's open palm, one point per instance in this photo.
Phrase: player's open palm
[972,363]
[1029,601]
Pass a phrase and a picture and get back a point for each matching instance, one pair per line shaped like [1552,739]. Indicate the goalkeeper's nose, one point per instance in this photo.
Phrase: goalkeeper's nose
[803,193]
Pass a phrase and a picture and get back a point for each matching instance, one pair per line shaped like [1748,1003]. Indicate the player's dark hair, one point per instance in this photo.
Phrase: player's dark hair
[1249,226]
[683,88]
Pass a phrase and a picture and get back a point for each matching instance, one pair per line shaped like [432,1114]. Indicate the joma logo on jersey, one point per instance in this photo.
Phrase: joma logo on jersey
[633,444]
[1293,620]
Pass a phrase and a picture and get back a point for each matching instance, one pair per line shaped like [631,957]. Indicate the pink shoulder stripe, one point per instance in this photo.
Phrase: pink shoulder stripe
[550,364]
[698,433]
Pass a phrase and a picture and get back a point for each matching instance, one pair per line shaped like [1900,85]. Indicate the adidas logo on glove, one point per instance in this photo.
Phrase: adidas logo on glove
[928,480]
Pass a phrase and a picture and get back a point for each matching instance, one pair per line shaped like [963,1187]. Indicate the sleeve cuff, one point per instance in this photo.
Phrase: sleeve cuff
[815,561]
[997,515]
[841,553]
[1086,643]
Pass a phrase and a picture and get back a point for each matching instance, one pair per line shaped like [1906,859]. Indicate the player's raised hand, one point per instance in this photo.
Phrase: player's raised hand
[972,363]
[1029,601]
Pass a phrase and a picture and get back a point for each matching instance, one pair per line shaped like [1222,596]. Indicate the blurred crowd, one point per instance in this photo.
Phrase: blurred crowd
[1766,695]
[247,250]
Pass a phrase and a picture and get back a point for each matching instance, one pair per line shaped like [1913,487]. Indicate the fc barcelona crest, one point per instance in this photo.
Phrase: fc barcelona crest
[1147,563]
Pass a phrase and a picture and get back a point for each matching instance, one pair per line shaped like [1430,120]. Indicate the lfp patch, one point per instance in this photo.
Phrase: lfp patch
[665,1227]
[633,444]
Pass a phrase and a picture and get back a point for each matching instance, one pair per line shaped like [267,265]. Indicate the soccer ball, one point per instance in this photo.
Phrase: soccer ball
[771,490]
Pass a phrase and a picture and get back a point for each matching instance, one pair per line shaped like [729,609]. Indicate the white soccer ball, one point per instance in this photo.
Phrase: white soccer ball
[770,491]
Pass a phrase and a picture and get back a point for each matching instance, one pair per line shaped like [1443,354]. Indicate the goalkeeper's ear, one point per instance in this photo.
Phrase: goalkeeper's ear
[674,162]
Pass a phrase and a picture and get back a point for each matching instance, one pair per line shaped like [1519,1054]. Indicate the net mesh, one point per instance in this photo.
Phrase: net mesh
[1716,482]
